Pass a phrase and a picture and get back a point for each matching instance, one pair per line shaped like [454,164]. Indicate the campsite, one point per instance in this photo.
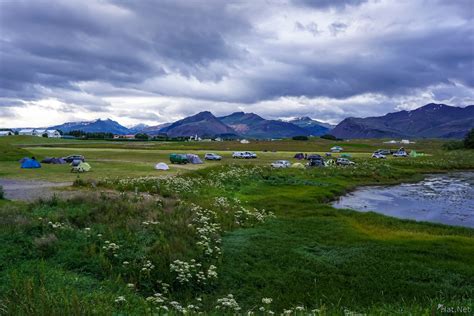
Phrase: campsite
[229,227]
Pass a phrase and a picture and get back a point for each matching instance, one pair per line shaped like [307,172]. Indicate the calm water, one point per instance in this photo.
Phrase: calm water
[440,198]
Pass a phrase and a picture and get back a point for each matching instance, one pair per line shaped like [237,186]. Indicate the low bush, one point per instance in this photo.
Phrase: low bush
[469,140]
[300,137]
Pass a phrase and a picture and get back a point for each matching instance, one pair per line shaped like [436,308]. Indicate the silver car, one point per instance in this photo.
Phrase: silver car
[281,164]
[212,156]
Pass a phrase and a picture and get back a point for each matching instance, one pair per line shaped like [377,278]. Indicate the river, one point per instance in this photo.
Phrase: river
[439,198]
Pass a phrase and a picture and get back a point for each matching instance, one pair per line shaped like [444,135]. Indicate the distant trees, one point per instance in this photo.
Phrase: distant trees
[45,135]
[330,137]
[300,137]
[466,143]
[469,139]
[96,135]
[141,136]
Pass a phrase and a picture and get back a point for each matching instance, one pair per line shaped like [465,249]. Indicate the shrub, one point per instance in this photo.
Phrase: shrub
[141,136]
[2,193]
[300,137]
[330,137]
[469,139]
[453,145]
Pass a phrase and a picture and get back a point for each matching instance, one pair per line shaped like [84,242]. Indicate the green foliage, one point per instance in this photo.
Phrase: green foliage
[142,136]
[300,138]
[12,153]
[330,137]
[86,135]
[453,145]
[2,193]
[469,140]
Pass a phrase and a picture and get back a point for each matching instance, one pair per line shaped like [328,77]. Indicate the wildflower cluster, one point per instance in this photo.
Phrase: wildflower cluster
[208,231]
[233,175]
[58,225]
[244,216]
[147,266]
[111,247]
[227,304]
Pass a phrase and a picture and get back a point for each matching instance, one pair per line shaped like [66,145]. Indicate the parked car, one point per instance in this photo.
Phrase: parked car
[315,161]
[314,156]
[71,158]
[240,155]
[244,155]
[378,155]
[344,162]
[384,152]
[212,156]
[251,154]
[281,164]
[400,154]
[179,158]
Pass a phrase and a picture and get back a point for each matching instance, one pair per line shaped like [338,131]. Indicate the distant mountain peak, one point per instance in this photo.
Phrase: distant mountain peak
[429,121]
[94,126]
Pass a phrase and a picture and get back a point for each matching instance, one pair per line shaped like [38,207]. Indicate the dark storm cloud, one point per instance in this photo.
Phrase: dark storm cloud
[124,43]
[217,50]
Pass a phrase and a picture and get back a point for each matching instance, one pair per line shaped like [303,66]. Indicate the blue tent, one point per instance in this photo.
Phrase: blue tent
[30,163]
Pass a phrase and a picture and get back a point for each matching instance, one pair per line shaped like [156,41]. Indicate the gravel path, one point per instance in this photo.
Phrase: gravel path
[31,190]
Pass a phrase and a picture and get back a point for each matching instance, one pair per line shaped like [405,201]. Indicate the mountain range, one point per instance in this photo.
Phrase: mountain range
[96,126]
[429,121]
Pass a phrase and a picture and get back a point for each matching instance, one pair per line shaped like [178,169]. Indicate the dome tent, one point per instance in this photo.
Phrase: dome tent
[194,159]
[297,165]
[30,164]
[162,166]
[82,167]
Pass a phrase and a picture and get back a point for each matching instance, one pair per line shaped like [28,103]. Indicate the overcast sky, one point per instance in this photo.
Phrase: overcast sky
[158,61]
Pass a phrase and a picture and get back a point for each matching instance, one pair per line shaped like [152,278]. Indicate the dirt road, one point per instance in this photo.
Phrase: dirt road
[31,190]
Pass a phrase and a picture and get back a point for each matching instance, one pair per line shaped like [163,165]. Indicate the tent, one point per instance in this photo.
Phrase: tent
[22,160]
[55,161]
[76,163]
[299,156]
[415,154]
[58,161]
[30,164]
[82,167]
[162,166]
[297,165]
[194,159]
[47,160]
[346,156]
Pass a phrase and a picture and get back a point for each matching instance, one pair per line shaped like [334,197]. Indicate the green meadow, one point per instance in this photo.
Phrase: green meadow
[229,237]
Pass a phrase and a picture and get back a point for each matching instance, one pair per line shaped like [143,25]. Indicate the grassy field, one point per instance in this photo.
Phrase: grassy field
[122,159]
[141,243]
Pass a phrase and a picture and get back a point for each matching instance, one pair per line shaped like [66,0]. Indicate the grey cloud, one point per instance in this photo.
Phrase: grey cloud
[337,27]
[48,47]
[326,4]
[310,27]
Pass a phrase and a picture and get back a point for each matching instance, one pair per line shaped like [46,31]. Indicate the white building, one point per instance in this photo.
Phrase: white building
[244,141]
[6,133]
[52,133]
[26,132]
